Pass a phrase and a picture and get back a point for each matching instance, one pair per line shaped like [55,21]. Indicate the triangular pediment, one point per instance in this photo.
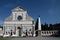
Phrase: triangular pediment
[19,8]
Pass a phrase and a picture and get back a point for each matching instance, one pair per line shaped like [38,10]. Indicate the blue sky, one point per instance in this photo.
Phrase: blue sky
[48,10]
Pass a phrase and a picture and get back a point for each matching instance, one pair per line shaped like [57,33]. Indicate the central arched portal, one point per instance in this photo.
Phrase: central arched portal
[19,32]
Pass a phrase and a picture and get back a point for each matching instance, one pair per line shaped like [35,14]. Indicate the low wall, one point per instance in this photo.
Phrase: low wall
[49,33]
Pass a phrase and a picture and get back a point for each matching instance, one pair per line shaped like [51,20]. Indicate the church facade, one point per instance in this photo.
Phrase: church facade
[19,23]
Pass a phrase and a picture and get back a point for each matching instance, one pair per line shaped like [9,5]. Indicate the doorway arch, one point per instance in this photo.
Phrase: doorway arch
[19,28]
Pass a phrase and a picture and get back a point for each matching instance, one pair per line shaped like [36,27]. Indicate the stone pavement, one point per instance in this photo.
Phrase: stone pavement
[36,38]
[27,38]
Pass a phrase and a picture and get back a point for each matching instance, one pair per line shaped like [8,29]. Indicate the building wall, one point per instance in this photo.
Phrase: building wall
[18,26]
[1,31]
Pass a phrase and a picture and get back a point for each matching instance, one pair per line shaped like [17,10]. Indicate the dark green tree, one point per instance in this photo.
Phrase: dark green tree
[36,27]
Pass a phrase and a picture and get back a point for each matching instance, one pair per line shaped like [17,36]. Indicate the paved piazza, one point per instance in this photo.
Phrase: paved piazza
[37,38]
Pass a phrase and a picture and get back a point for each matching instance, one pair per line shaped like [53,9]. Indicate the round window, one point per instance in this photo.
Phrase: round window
[19,18]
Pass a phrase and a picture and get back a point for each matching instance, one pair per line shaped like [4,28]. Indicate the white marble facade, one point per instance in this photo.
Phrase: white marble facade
[19,23]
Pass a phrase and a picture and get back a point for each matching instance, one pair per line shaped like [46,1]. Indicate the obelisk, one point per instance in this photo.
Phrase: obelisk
[39,26]
[39,23]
